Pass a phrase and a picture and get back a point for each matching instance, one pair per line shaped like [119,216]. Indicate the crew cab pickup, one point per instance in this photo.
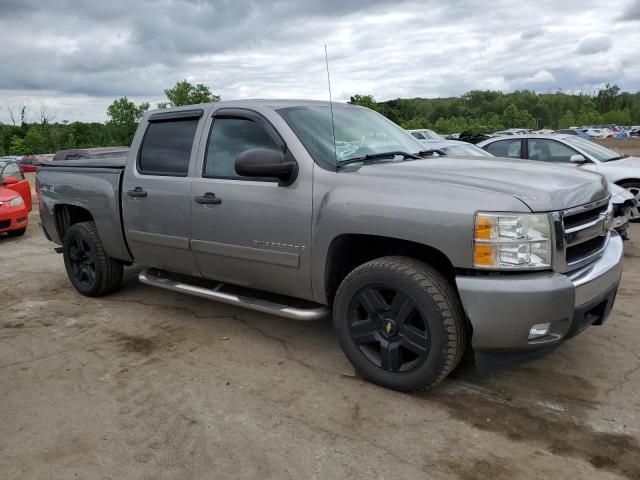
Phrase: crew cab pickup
[305,209]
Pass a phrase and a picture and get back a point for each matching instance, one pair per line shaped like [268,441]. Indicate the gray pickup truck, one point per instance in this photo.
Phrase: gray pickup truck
[300,209]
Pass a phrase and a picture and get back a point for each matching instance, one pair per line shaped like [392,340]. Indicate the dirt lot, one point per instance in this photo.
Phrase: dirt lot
[150,384]
[628,146]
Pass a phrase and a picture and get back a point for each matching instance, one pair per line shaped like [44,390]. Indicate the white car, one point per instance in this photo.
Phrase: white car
[425,134]
[576,152]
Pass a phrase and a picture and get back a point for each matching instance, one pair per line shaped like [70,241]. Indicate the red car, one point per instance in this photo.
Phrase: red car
[12,178]
[14,216]
[29,163]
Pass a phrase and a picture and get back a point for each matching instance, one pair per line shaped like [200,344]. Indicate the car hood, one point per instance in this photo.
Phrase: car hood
[542,187]
[6,194]
[626,162]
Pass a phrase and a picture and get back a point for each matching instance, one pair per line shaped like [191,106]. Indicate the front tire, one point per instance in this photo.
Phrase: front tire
[89,268]
[400,323]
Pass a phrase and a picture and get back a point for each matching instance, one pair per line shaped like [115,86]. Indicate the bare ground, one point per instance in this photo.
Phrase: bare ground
[150,384]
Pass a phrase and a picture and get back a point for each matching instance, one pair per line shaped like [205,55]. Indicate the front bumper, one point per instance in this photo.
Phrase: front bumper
[503,309]
[14,218]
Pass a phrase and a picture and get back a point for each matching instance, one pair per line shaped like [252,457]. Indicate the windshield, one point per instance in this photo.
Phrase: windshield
[431,135]
[593,149]
[358,132]
[464,150]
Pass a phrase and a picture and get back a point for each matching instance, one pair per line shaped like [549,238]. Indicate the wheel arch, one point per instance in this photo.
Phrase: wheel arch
[627,180]
[66,215]
[348,251]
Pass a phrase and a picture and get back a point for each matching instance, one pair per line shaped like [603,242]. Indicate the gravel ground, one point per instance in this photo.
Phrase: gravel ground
[150,384]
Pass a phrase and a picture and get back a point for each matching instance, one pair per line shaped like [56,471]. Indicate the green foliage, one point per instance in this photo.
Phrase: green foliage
[486,111]
[184,93]
[17,146]
[124,116]
[34,141]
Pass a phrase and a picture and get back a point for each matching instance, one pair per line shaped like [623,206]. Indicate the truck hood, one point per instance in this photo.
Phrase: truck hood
[542,187]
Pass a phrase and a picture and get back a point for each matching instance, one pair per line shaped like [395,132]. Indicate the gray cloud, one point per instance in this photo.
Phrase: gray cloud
[77,56]
[596,44]
[631,13]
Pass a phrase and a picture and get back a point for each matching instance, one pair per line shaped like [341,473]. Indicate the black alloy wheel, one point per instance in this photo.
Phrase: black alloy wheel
[389,329]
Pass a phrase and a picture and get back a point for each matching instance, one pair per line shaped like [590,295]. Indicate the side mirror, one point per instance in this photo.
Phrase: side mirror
[265,163]
[10,180]
[577,158]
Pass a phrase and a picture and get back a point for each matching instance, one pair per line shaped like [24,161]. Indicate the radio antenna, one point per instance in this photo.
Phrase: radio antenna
[333,127]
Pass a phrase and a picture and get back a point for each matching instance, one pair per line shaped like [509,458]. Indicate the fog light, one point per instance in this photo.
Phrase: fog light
[539,330]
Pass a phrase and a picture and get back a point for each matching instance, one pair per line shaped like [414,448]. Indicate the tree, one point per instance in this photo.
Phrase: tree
[17,146]
[184,93]
[364,101]
[124,116]
[33,142]
[567,120]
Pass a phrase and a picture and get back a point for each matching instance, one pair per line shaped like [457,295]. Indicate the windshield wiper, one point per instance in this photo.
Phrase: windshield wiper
[378,156]
[616,158]
[430,152]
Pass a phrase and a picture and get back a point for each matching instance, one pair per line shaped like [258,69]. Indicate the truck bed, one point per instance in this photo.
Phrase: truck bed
[89,188]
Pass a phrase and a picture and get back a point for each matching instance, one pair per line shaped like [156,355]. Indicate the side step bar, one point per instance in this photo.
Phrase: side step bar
[306,314]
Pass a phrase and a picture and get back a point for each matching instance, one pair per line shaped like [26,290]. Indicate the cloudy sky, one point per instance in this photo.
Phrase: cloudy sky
[76,56]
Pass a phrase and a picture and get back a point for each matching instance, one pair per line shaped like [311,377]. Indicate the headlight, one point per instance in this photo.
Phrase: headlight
[16,202]
[508,241]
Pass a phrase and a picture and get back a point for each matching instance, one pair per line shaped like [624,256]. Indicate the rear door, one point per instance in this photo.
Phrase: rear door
[12,169]
[156,191]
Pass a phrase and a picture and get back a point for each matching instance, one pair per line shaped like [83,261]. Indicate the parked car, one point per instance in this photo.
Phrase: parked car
[573,131]
[14,216]
[626,208]
[97,153]
[622,170]
[425,134]
[455,148]
[30,163]
[511,131]
[252,203]
[12,178]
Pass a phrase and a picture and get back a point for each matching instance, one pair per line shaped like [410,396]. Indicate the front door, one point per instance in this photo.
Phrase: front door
[156,193]
[256,233]
[12,170]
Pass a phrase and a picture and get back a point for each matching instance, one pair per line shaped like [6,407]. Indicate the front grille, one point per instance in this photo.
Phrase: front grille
[584,217]
[585,231]
[5,223]
[585,249]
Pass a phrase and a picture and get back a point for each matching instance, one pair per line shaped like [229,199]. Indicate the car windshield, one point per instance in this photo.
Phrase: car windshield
[464,150]
[358,132]
[431,135]
[593,149]
[2,164]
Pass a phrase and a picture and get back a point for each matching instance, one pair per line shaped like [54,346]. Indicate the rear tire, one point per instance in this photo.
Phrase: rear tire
[89,268]
[17,233]
[400,323]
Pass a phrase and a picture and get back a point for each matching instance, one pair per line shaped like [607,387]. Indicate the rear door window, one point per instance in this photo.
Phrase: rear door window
[166,147]
[505,148]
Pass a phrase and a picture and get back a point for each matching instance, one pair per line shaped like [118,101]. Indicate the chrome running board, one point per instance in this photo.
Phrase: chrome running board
[315,312]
